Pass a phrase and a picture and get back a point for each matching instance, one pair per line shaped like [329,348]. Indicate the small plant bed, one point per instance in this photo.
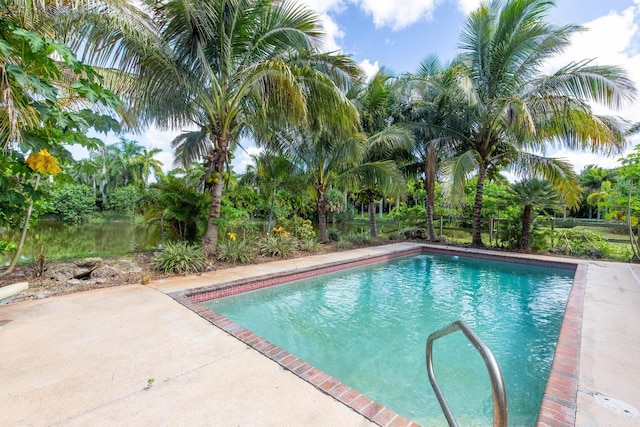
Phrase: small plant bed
[135,270]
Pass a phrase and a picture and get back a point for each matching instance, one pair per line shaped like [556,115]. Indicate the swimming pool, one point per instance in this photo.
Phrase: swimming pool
[370,333]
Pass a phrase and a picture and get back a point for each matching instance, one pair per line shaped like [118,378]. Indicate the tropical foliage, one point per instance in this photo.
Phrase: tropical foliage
[514,109]
[433,143]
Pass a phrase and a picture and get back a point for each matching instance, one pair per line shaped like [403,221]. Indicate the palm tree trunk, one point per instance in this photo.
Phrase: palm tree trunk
[216,160]
[321,206]
[373,232]
[476,237]
[270,221]
[526,228]
[430,167]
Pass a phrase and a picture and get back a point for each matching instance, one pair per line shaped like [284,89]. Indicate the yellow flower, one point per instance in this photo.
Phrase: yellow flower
[43,162]
[232,236]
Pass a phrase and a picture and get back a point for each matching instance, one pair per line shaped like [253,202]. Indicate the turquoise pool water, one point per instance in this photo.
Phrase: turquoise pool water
[368,327]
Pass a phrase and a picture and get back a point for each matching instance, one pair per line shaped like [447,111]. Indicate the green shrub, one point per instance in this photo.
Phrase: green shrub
[358,238]
[179,257]
[124,201]
[333,234]
[235,251]
[586,243]
[405,212]
[277,245]
[6,246]
[310,245]
[345,244]
[301,228]
[73,203]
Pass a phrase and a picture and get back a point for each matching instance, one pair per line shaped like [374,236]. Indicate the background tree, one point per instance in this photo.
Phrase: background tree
[43,108]
[591,179]
[429,97]
[515,109]
[230,61]
[630,170]
[146,164]
[533,194]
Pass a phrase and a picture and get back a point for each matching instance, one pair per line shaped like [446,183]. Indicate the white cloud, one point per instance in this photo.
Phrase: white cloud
[468,6]
[243,157]
[332,41]
[369,69]
[580,160]
[155,138]
[324,6]
[609,40]
[398,14]
[333,33]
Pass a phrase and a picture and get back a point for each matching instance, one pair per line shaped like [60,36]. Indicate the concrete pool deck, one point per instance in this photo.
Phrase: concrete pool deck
[132,355]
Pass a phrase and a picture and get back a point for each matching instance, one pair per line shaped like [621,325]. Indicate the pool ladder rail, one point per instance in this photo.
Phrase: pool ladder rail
[495,375]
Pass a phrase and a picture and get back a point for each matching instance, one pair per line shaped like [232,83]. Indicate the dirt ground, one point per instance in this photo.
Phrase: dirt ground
[42,286]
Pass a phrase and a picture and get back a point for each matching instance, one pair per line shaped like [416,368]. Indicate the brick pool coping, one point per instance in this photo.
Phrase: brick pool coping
[558,408]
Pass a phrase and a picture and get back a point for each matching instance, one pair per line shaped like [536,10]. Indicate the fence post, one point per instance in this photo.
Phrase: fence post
[491,231]
[552,233]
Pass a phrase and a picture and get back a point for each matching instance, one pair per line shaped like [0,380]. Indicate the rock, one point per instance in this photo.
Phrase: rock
[88,263]
[61,272]
[105,271]
[417,233]
[78,269]
[125,266]
[74,282]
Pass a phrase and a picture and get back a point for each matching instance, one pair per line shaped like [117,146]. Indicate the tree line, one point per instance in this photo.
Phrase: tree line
[234,68]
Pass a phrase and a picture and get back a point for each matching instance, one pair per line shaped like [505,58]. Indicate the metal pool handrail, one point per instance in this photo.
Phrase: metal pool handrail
[495,375]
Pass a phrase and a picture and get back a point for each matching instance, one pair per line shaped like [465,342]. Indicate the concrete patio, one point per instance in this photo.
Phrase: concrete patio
[132,356]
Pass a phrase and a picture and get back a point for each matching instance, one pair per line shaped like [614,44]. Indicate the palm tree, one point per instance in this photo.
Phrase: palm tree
[225,67]
[146,164]
[427,99]
[530,193]
[271,173]
[514,109]
[123,155]
[591,179]
[378,174]
[375,178]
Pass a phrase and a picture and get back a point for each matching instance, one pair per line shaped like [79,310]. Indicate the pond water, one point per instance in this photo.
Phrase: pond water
[59,240]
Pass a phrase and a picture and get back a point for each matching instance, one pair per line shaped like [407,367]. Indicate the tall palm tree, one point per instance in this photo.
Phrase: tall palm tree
[226,67]
[147,164]
[515,109]
[530,193]
[427,100]
[378,172]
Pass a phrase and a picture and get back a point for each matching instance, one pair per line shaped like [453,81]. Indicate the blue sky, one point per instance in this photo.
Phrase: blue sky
[398,34]
[400,40]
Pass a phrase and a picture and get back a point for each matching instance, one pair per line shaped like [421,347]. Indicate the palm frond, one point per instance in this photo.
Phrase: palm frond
[189,147]
[558,171]
[455,172]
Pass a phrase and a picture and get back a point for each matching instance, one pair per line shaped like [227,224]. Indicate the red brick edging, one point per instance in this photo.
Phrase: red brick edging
[559,400]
